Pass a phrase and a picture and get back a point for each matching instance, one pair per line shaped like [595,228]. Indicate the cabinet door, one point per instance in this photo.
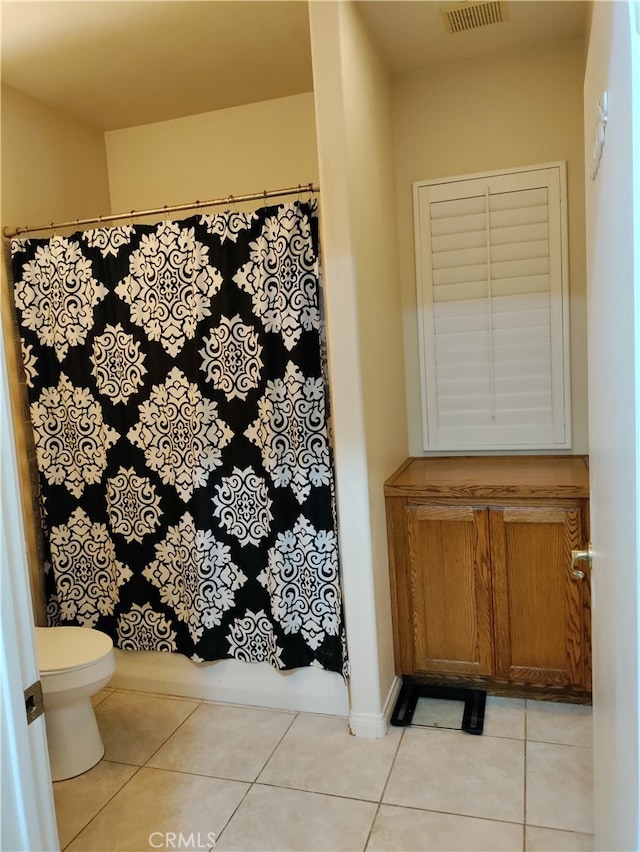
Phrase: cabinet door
[539,607]
[450,589]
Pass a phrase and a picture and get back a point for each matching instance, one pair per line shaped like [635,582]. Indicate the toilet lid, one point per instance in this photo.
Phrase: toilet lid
[61,648]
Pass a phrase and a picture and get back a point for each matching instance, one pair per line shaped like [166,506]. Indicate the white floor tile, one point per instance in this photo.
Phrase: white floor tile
[551,722]
[156,806]
[552,840]
[504,717]
[271,818]
[225,742]
[421,831]
[559,787]
[99,697]
[134,725]
[319,754]
[459,773]
[79,799]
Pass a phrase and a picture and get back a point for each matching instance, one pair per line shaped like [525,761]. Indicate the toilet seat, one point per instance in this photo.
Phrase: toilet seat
[65,649]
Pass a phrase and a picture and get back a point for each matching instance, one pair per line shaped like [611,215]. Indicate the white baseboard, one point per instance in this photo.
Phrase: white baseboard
[309,690]
[392,697]
[376,725]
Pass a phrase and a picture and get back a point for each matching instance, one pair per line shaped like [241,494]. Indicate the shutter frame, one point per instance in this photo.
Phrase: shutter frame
[527,249]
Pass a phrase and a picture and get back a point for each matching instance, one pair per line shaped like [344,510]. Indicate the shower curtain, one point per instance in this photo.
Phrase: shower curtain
[179,403]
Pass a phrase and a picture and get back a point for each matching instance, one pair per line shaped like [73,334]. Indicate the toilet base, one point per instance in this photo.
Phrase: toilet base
[73,738]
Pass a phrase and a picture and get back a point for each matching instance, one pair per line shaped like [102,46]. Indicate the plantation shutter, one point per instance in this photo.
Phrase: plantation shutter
[492,299]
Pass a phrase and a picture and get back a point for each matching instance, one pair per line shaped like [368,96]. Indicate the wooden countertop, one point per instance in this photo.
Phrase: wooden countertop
[491,476]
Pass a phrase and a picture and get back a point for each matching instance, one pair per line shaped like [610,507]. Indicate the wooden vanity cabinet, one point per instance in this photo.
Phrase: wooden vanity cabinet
[480,554]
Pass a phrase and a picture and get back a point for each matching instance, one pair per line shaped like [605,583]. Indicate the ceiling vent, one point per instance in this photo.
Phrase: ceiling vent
[470,16]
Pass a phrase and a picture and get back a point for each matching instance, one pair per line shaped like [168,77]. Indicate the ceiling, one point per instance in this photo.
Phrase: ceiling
[120,63]
[411,35]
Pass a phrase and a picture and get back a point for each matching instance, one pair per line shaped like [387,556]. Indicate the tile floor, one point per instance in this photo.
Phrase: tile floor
[192,775]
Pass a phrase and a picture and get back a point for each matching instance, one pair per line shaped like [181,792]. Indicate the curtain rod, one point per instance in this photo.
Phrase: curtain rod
[193,205]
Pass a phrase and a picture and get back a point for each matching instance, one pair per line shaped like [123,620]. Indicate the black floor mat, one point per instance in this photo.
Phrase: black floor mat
[410,694]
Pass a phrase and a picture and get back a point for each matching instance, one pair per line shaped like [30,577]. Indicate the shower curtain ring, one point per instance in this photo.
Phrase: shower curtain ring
[311,199]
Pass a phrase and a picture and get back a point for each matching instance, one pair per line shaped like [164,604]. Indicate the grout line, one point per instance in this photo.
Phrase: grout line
[342,796]
[99,811]
[393,763]
[253,783]
[275,748]
[169,696]
[373,822]
[168,737]
[449,813]
[385,785]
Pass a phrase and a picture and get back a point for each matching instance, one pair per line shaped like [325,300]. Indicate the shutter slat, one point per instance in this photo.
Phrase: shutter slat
[519,199]
[507,404]
[520,285]
[463,341]
[458,241]
[522,319]
[459,225]
[460,275]
[525,417]
[462,325]
[506,339]
[533,365]
[520,302]
[508,377]
[519,233]
[469,307]
[519,251]
[520,268]
[457,207]
[516,218]
[460,258]
[465,290]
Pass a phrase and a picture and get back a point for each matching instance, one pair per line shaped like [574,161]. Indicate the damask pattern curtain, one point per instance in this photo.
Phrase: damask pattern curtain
[180,415]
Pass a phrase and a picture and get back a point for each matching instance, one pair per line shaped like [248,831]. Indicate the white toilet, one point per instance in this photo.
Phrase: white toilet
[75,663]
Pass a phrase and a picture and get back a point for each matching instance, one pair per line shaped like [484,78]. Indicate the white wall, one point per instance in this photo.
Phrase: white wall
[613,238]
[235,151]
[505,111]
[240,150]
[53,169]
[353,109]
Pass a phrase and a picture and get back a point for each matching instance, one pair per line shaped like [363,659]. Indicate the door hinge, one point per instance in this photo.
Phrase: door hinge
[33,702]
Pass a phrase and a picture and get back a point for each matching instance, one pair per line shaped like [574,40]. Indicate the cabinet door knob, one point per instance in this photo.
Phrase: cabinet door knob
[580,556]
